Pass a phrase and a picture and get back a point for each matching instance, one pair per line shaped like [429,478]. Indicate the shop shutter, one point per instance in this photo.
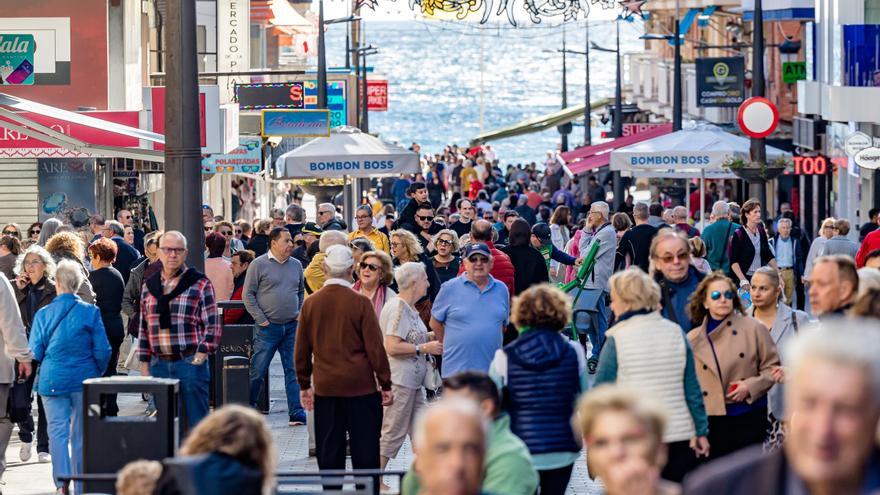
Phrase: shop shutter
[18,192]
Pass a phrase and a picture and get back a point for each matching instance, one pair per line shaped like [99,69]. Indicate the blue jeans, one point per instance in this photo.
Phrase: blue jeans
[194,382]
[596,332]
[65,423]
[269,339]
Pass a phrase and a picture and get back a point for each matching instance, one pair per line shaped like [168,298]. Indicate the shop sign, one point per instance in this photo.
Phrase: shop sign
[377,95]
[233,34]
[270,95]
[16,145]
[336,100]
[868,158]
[856,142]
[720,81]
[66,188]
[295,123]
[246,158]
[793,72]
[17,53]
[810,165]
[630,129]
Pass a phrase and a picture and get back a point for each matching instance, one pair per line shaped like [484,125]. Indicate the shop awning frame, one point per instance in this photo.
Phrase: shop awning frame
[539,123]
[32,129]
[589,158]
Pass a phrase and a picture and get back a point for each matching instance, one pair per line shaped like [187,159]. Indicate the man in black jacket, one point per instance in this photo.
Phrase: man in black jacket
[418,196]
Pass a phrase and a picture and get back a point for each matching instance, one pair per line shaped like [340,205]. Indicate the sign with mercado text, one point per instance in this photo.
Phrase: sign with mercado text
[377,95]
[246,158]
[17,59]
[66,188]
[793,72]
[295,123]
[259,96]
[720,81]
[233,36]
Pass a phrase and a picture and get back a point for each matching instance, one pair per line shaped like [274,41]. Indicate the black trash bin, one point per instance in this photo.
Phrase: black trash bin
[230,380]
[111,442]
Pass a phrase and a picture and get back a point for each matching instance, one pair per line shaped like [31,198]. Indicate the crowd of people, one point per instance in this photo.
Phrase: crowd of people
[440,315]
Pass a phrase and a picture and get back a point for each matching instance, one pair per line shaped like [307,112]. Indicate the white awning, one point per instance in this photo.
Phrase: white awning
[347,151]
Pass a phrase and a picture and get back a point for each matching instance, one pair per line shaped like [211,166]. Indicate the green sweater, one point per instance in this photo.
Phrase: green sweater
[509,469]
[716,237]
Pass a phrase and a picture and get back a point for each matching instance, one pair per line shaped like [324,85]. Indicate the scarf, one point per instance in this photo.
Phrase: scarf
[163,301]
[378,298]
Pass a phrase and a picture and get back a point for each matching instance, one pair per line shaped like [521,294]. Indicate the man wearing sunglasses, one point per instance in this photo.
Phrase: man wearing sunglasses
[470,313]
[678,279]
[327,218]
[126,218]
[424,227]
[363,216]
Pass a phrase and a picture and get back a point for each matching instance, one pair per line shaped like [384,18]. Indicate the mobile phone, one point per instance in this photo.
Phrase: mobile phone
[21,73]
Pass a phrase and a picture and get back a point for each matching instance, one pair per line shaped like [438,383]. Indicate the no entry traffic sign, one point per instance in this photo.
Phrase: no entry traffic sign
[757,117]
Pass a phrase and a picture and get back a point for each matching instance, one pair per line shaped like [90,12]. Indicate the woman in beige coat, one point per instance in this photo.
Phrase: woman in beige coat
[734,356]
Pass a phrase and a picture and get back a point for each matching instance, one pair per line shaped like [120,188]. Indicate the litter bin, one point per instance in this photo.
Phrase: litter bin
[232,365]
[111,442]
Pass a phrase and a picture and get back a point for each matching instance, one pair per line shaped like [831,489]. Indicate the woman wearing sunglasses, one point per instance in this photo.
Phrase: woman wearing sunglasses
[446,261]
[735,358]
[34,231]
[11,229]
[374,277]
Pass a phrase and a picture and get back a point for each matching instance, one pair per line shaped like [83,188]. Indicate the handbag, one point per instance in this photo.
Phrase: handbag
[132,363]
[19,401]
[432,381]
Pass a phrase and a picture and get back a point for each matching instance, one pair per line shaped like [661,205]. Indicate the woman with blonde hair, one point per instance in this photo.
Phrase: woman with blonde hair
[541,388]
[623,433]
[698,255]
[374,277]
[405,247]
[648,353]
[735,360]
[237,441]
[69,246]
[446,261]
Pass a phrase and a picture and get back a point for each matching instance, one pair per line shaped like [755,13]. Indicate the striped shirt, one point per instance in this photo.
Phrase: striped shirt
[195,326]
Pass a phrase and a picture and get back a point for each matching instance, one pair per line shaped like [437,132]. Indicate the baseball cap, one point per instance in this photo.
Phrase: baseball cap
[312,228]
[541,231]
[477,248]
[338,258]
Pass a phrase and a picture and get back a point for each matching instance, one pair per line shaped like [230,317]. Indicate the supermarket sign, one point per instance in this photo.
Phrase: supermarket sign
[377,95]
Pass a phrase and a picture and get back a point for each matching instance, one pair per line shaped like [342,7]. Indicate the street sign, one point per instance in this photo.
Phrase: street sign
[856,142]
[720,81]
[295,123]
[17,59]
[757,117]
[868,158]
[793,72]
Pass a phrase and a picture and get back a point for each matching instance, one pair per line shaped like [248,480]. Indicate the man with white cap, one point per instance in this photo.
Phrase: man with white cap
[339,359]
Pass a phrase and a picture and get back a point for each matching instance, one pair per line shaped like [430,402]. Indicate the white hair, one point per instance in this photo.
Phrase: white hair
[177,235]
[449,409]
[680,213]
[848,342]
[332,238]
[869,278]
[720,209]
[601,207]
[408,273]
[68,277]
[48,261]
[784,221]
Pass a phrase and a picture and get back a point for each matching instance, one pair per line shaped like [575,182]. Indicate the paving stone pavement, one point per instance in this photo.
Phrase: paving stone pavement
[34,478]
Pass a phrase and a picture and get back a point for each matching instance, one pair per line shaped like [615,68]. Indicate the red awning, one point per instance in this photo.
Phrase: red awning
[591,157]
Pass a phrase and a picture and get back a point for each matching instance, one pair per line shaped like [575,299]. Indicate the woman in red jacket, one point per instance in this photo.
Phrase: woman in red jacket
[241,260]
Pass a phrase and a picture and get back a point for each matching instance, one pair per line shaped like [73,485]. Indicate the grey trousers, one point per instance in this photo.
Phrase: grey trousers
[5,425]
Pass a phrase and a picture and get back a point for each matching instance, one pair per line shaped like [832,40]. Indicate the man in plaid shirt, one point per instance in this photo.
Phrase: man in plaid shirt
[179,327]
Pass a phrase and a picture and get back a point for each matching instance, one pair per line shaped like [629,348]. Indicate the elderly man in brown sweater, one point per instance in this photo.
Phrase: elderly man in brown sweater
[339,348]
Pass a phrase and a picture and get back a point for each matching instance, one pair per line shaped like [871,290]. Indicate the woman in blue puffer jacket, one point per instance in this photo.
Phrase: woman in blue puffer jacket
[69,341]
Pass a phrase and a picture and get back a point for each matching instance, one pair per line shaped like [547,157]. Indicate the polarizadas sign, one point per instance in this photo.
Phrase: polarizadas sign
[17,59]
[295,123]
[246,158]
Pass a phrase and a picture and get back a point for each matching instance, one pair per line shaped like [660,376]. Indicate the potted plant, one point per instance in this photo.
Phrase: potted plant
[756,171]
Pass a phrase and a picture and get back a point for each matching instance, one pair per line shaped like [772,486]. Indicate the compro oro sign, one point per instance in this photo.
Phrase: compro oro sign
[868,158]
[295,123]
[720,81]
[17,59]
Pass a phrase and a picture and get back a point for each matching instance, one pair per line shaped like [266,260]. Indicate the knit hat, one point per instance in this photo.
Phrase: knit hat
[338,258]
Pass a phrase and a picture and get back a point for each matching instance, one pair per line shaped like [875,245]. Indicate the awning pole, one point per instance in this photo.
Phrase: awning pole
[687,195]
[702,199]
[347,193]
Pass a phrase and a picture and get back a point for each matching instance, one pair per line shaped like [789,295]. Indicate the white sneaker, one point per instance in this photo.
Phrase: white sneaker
[44,457]
[25,453]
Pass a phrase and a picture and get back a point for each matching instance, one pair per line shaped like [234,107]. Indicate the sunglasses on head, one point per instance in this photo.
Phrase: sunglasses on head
[716,295]
[369,266]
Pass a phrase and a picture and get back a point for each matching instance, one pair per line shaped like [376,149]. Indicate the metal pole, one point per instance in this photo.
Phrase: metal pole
[322,59]
[183,176]
[618,91]
[676,75]
[564,90]
[482,80]
[588,128]
[366,106]
[357,98]
[757,188]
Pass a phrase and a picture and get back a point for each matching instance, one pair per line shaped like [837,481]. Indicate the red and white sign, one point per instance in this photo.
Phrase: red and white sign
[16,145]
[757,117]
[218,124]
[157,93]
[630,129]
[377,95]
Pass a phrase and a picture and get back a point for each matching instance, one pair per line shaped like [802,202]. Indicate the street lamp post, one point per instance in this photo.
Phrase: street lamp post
[676,72]
[588,128]
[758,149]
[361,73]
[322,59]
[564,93]
[183,151]
[617,129]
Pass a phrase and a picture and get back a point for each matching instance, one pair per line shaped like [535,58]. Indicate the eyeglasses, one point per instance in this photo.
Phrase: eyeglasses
[126,217]
[425,219]
[669,258]
[444,242]
[33,263]
[478,259]
[716,295]
[369,266]
[10,232]
[363,217]
[207,229]
[323,212]
[171,250]
[226,232]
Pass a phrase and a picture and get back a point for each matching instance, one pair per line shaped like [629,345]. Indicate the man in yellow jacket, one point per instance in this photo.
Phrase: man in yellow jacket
[314,273]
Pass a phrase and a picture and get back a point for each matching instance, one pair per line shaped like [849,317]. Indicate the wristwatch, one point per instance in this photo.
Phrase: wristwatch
[743,282]
[418,350]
